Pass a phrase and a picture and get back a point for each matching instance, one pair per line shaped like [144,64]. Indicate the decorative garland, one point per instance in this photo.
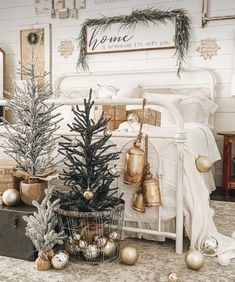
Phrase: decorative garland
[143,17]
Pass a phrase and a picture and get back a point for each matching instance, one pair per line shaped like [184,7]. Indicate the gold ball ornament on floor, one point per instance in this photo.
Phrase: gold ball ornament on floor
[203,164]
[209,246]
[60,260]
[11,197]
[172,277]
[109,249]
[194,259]
[129,255]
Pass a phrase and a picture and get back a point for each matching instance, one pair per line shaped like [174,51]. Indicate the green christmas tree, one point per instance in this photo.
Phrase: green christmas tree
[90,163]
[30,140]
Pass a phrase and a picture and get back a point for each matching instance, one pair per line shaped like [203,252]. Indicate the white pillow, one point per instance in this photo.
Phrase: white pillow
[106,91]
[168,99]
[130,92]
[197,109]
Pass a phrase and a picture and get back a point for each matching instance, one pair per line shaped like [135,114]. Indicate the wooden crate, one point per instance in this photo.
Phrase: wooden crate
[151,117]
[116,113]
[7,180]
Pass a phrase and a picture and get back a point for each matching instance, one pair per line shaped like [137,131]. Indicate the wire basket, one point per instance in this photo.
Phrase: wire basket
[93,237]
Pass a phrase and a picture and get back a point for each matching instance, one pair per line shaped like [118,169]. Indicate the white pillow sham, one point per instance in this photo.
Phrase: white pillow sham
[110,92]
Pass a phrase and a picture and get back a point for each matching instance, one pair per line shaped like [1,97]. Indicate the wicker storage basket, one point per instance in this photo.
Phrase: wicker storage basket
[93,237]
[7,180]
[117,114]
[151,117]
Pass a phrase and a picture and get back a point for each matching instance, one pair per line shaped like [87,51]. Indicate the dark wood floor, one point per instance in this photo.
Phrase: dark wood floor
[218,195]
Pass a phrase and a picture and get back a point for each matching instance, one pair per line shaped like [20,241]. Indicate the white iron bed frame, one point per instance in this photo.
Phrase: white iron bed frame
[179,138]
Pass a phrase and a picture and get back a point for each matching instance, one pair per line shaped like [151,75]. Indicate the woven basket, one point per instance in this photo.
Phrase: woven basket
[7,180]
[151,117]
[92,226]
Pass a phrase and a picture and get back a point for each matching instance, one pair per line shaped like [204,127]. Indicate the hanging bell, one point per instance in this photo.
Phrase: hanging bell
[134,164]
[151,191]
[138,201]
[203,164]
[151,188]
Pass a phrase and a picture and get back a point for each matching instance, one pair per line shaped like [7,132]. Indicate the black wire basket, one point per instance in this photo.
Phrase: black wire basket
[93,237]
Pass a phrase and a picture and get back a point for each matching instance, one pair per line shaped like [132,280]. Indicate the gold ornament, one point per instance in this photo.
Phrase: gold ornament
[203,164]
[138,201]
[172,277]
[91,252]
[114,236]
[11,197]
[60,260]
[129,255]
[82,244]
[209,246]
[194,259]
[101,241]
[74,143]
[113,171]
[109,249]
[88,195]
[71,248]
[151,188]
[76,237]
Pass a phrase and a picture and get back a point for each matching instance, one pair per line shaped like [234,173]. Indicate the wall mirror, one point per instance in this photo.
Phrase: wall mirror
[2,71]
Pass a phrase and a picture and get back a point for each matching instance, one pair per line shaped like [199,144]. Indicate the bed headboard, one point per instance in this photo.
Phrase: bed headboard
[148,79]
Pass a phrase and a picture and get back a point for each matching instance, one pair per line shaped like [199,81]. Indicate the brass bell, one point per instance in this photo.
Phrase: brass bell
[134,164]
[151,187]
[138,201]
[151,191]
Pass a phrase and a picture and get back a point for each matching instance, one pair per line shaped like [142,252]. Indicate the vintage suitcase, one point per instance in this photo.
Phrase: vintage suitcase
[13,241]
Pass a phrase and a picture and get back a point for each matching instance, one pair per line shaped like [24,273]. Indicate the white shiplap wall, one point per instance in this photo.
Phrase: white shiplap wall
[16,14]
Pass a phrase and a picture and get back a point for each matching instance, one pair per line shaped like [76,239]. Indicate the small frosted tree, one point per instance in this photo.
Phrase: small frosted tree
[30,140]
[41,225]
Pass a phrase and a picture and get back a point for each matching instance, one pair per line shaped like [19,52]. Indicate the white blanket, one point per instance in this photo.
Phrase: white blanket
[198,218]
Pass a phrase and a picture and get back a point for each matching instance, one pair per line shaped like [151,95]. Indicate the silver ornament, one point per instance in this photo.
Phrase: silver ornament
[74,143]
[109,249]
[194,259]
[82,244]
[60,260]
[132,118]
[203,164]
[209,246]
[101,241]
[11,197]
[114,236]
[107,133]
[76,236]
[172,277]
[91,252]
[88,195]
[113,171]
[129,255]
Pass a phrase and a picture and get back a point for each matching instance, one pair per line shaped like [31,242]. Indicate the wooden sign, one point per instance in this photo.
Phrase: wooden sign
[121,39]
[35,44]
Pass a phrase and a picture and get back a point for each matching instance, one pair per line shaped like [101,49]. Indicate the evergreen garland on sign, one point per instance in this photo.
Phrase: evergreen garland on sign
[138,17]
[90,170]
[41,225]
[30,141]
